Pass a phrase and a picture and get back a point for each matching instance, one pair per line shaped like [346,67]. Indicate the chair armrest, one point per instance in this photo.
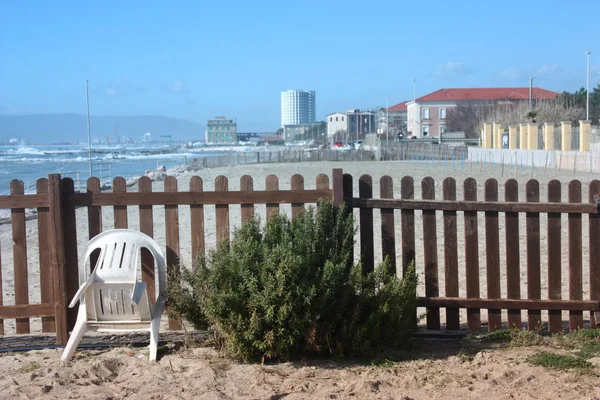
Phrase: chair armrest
[79,295]
[138,291]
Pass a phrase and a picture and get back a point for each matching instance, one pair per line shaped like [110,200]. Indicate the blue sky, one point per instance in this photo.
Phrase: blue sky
[199,59]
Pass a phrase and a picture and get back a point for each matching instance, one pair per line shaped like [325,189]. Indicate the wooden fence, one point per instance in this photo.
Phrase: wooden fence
[57,202]
[533,301]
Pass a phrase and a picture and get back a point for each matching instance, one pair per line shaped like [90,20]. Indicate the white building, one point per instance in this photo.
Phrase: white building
[297,107]
[350,125]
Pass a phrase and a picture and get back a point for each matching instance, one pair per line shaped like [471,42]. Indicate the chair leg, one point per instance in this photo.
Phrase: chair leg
[155,326]
[76,335]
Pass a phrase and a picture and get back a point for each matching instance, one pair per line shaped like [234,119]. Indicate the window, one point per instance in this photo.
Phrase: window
[426,113]
[336,119]
[442,113]
[342,119]
[442,129]
[330,119]
[425,130]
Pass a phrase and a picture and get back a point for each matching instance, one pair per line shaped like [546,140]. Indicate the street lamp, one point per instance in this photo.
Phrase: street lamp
[587,88]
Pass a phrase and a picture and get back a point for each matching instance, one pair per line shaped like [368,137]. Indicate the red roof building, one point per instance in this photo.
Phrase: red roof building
[400,107]
[487,94]
[426,116]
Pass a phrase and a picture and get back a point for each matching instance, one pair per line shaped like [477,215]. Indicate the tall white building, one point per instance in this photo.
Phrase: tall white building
[297,107]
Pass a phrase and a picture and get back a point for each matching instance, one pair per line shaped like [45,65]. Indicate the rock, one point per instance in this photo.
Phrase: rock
[132,181]
[156,175]
[46,388]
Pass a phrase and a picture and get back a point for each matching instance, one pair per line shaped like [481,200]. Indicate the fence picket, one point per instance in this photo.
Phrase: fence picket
[147,227]
[492,250]
[297,183]
[513,267]
[472,256]
[120,212]
[388,233]
[94,218]
[272,183]
[532,220]
[19,240]
[575,257]
[43,215]
[348,188]
[554,256]
[594,234]
[337,176]
[430,253]
[197,220]
[222,211]
[407,191]
[247,185]
[451,255]
[172,239]
[367,255]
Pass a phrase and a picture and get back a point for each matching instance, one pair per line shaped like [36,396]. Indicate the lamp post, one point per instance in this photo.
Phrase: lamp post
[587,88]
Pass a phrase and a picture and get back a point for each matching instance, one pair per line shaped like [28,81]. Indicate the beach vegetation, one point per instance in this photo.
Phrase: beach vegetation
[287,289]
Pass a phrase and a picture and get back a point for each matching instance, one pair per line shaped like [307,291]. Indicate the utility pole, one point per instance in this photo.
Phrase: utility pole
[587,88]
[414,89]
[531,92]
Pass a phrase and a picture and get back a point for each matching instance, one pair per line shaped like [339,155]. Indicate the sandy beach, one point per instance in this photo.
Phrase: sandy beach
[434,370]
[395,169]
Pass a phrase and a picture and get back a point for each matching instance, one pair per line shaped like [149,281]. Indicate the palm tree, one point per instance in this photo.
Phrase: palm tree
[531,115]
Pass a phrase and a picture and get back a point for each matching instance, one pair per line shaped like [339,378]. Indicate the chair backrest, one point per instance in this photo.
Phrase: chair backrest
[118,258]
[114,276]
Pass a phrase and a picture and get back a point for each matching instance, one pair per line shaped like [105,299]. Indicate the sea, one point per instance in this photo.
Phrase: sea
[28,163]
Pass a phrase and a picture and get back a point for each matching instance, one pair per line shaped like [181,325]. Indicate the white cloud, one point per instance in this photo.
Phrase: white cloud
[511,74]
[521,74]
[546,69]
[452,69]
[118,87]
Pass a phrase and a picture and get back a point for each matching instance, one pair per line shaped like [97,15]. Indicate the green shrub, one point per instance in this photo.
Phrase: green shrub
[291,289]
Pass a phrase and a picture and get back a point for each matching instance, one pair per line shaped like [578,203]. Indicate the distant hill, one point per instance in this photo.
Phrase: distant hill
[54,128]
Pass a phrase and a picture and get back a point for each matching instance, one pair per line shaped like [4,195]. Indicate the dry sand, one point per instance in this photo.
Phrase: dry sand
[201,373]
[310,171]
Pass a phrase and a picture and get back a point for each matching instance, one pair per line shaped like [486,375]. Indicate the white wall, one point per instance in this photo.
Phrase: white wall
[582,161]
[413,118]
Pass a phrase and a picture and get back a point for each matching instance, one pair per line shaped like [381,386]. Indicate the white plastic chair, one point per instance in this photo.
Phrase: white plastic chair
[112,299]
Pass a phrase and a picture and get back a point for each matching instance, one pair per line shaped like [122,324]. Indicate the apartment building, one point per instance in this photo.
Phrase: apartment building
[297,107]
[221,130]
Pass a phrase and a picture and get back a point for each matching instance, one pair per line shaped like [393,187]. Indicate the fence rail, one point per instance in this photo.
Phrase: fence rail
[476,269]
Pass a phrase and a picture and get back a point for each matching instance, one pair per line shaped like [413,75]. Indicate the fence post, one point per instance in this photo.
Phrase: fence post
[69,242]
[57,258]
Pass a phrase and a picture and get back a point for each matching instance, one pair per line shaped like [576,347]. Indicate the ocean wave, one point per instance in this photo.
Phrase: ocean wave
[37,160]
[166,156]
[26,150]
